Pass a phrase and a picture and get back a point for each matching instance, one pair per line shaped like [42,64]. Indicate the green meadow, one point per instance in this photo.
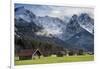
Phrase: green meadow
[54,59]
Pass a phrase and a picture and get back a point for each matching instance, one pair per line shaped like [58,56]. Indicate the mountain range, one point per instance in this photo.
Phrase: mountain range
[76,32]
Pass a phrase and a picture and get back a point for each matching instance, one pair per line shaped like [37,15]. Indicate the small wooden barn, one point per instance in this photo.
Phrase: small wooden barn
[28,53]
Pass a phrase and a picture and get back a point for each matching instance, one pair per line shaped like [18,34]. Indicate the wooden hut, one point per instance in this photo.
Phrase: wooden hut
[28,53]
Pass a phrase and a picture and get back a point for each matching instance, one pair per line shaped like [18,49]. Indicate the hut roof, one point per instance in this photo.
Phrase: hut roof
[37,50]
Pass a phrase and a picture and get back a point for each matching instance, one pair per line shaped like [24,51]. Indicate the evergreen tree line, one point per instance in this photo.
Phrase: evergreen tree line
[46,48]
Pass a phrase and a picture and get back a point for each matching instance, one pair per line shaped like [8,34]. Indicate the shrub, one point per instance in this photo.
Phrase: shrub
[71,53]
[46,54]
[60,54]
[80,52]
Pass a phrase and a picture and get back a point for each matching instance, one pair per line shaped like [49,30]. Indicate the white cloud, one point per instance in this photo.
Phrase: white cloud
[69,11]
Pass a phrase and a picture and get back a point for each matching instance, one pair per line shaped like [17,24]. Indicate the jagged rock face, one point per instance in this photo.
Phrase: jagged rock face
[86,22]
[46,27]
[72,27]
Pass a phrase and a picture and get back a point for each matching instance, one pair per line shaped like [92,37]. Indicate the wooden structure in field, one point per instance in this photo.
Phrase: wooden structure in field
[28,54]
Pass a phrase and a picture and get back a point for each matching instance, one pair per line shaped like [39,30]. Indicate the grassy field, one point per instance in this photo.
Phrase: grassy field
[53,59]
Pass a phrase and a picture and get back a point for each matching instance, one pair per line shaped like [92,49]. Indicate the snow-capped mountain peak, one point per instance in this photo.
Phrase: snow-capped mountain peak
[86,22]
[23,13]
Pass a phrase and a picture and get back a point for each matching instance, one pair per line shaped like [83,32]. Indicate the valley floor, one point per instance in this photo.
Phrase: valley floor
[54,59]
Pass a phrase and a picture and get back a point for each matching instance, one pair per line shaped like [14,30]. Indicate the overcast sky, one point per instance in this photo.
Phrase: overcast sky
[56,11]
